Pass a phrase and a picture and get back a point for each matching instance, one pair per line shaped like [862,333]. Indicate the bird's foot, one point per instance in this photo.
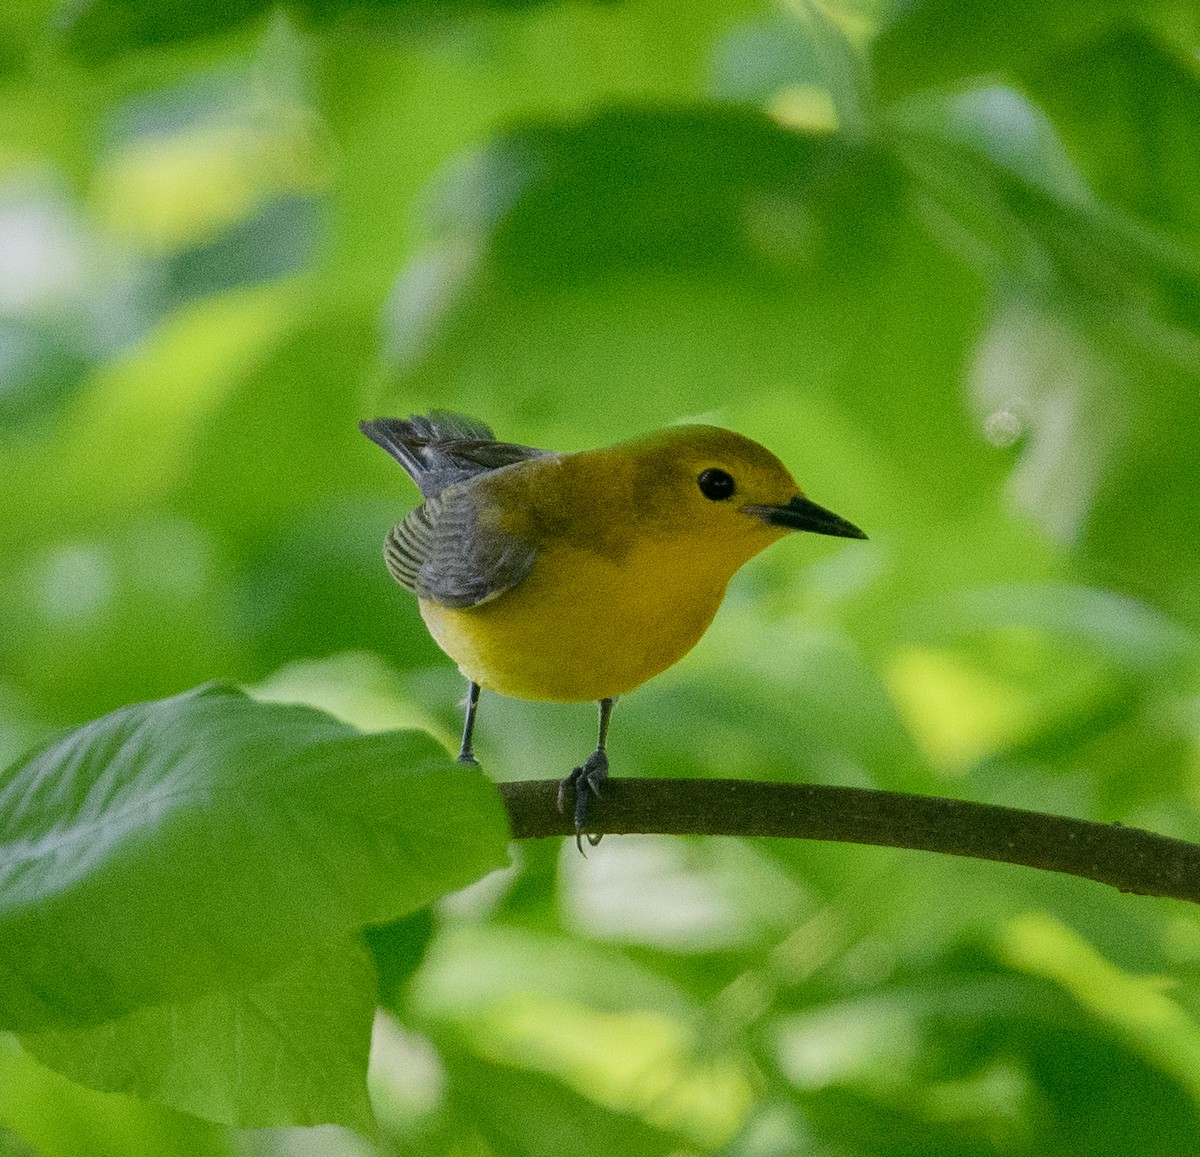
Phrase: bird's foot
[586,782]
[468,758]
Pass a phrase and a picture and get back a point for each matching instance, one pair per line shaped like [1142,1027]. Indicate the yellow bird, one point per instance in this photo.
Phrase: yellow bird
[571,577]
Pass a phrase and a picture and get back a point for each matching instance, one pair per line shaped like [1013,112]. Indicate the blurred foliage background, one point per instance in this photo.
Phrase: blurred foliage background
[943,256]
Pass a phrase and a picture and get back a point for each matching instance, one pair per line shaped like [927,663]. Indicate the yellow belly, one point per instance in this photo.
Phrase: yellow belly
[583,625]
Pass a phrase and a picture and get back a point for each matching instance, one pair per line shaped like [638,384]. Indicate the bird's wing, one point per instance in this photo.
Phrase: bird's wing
[440,448]
[444,552]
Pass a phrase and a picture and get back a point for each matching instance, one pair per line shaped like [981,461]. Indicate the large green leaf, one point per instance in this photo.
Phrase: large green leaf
[203,841]
[710,190]
[289,1050]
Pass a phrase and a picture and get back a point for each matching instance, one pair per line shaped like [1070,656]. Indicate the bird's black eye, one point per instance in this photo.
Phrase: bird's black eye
[715,484]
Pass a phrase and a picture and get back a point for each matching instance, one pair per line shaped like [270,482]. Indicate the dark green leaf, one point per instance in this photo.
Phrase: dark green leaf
[934,43]
[289,1050]
[398,948]
[98,30]
[1128,108]
[703,191]
[101,30]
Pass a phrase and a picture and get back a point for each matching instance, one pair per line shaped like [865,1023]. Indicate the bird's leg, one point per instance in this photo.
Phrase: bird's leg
[465,753]
[587,780]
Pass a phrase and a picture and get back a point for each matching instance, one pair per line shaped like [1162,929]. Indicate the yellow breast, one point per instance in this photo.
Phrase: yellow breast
[583,624]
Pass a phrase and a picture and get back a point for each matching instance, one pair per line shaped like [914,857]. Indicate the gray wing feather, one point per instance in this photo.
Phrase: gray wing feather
[440,448]
[442,552]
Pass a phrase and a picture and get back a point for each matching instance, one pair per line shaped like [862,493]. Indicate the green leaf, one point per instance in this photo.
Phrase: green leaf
[935,43]
[397,949]
[975,1064]
[525,1114]
[1082,674]
[710,191]
[289,1050]
[1128,108]
[469,970]
[98,30]
[59,1118]
[204,841]
[101,30]
[1094,354]
[1134,638]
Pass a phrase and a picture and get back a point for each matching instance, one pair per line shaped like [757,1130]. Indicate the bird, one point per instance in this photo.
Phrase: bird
[574,577]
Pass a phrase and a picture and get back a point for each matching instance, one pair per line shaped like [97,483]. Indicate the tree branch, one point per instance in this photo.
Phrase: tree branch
[1129,859]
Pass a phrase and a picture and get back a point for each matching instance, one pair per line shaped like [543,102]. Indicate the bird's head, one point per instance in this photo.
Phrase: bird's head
[712,482]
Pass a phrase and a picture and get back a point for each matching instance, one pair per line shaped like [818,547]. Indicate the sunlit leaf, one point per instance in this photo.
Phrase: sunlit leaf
[55,1117]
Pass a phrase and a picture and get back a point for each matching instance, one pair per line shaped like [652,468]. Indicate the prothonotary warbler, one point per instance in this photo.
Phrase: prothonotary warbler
[571,577]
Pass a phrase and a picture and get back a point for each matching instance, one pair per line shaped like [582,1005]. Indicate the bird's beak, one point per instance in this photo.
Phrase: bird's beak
[804,514]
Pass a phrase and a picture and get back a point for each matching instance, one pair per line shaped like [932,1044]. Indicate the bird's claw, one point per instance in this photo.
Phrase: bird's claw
[586,782]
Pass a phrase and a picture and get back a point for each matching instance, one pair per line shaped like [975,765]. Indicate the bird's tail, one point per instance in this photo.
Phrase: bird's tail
[420,443]
[440,448]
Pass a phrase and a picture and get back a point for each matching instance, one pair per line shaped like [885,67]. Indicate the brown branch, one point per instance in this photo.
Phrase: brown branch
[1129,859]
